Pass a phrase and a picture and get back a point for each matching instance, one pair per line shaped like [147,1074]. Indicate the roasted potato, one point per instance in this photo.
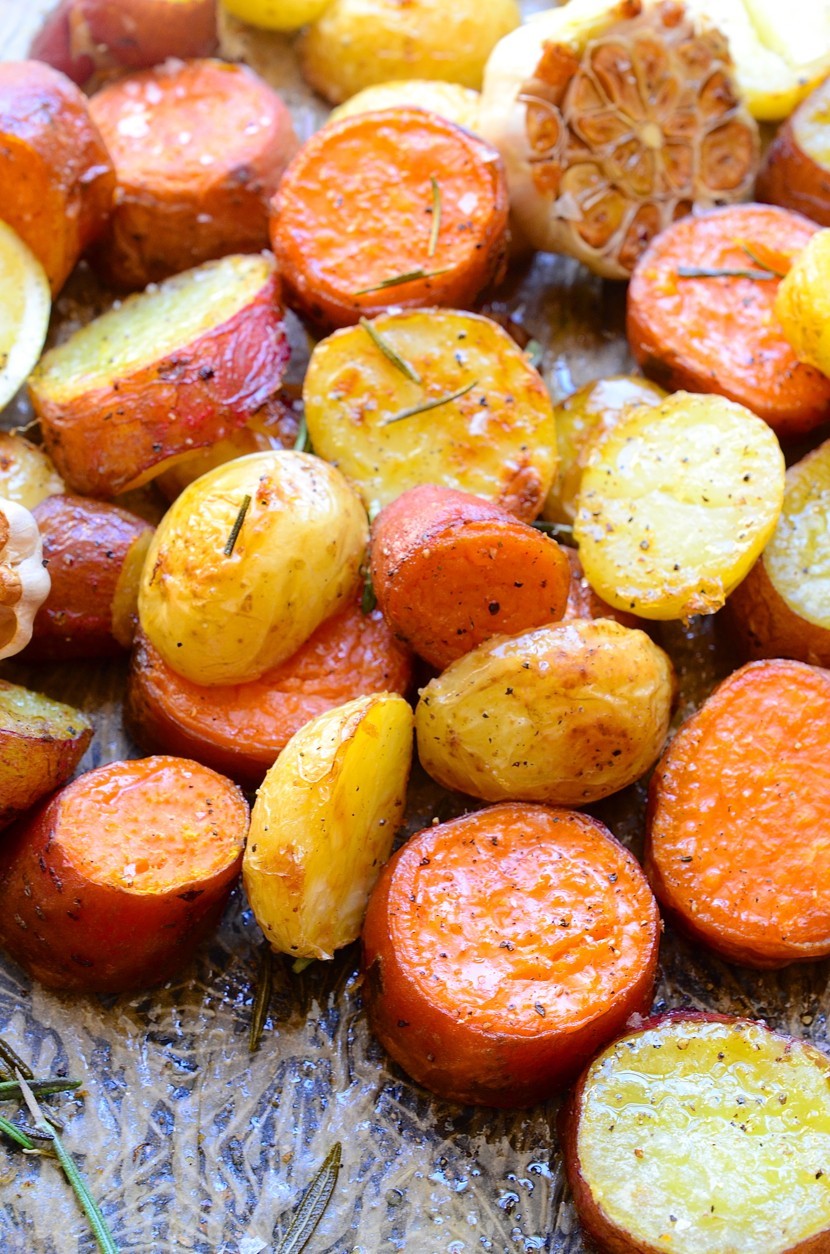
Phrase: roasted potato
[782,608]
[324,822]
[41,743]
[168,371]
[676,504]
[25,304]
[248,562]
[57,176]
[112,884]
[94,553]
[705,1133]
[580,419]
[450,100]
[27,473]
[357,43]
[796,169]
[802,305]
[564,714]
[497,440]
[277,14]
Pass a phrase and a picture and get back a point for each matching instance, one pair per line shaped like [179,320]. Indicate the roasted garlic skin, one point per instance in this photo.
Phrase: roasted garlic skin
[613,121]
[24,580]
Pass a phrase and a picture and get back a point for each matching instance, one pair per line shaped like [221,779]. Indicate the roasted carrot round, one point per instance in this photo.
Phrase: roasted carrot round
[739,816]
[199,148]
[718,333]
[503,948]
[397,207]
[450,570]
[240,729]
[112,884]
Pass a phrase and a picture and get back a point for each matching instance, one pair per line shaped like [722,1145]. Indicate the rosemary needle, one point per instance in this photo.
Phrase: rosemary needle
[237,526]
[262,1000]
[13,1059]
[302,444]
[391,354]
[17,1134]
[313,1206]
[395,280]
[723,272]
[368,600]
[436,216]
[425,406]
[10,1089]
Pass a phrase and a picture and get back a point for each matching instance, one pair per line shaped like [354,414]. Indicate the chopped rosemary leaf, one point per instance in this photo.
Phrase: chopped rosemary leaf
[237,526]
[262,998]
[11,1089]
[313,1206]
[425,406]
[436,216]
[534,353]
[97,1222]
[368,600]
[17,1134]
[302,444]
[382,344]
[299,965]
[759,261]
[723,272]
[553,528]
[13,1060]
[395,280]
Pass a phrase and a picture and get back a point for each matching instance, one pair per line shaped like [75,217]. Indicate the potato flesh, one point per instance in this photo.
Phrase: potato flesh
[498,441]
[676,504]
[564,714]
[724,1128]
[802,303]
[27,475]
[220,619]
[30,714]
[810,126]
[324,822]
[149,326]
[797,557]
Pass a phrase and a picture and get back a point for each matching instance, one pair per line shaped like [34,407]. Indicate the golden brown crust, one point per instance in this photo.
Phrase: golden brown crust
[766,626]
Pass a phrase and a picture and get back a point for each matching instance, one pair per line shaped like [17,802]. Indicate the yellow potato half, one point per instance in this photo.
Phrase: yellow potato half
[802,303]
[449,100]
[323,824]
[497,440]
[224,608]
[27,473]
[277,14]
[25,305]
[565,714]
[676,504]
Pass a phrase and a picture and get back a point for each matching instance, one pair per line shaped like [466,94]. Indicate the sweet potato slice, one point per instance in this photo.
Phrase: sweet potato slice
[55,171]
[739,811]
[450,570]
[113,883]
[198,148]
[782,608]
[502,948]
[240,729]
[94,553]
[171,370]
[419,217]
[796,169]
[718,332]
[41,743]
[723,1127]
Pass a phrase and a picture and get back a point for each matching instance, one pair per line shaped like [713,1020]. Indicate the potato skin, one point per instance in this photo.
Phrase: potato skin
[220,618]
[564,714]
[41,743]
[55,164]
[140,33]
[86,545]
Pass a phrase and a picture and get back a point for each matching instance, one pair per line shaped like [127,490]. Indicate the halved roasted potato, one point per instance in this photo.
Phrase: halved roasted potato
[564,714]
[676,504]
[27,473]
[796,169]
[41,743]
[702,1133]
[782,608]
[478,418]
[170,370]
[248,562]
[323,824]
[802,303]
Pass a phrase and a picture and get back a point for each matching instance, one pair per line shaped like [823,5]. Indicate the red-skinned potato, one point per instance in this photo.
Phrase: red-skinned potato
[82,910]
[171,370]
[450,569]
[94,554]
[56,174]
[180,203]
[81,36]
[719,1123]
[503,948]
[41,743]
[796,169]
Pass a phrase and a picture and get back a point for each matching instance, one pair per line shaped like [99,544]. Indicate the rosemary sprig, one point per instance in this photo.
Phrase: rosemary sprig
[16,1134]
[425,406]
[391,354]
[759,261]
[395,280]
[723,272]
[553,528]
[10,1089]
[97,1222]
[313,1206]
[436,216]
[262,1000]
[368,600]
[13,1060]
[302,444]
[237,526]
